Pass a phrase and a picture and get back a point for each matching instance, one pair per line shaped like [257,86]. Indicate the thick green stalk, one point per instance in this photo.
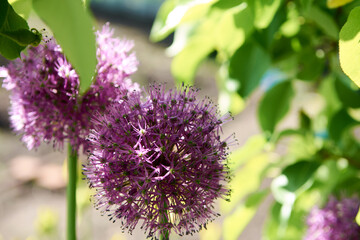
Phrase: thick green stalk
[164,219]
[71,193]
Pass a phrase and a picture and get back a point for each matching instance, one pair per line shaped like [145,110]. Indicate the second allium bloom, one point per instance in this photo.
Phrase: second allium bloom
[159,161]
[45,101]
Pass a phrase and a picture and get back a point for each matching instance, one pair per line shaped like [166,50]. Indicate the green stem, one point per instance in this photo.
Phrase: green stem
[71,193]
[164,219]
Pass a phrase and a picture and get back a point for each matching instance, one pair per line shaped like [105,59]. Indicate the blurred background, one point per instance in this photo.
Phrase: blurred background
[32,185]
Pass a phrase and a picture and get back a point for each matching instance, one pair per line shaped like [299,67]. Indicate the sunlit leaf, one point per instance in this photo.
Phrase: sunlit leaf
[185,63]
[246,180]
[292,25]
[358,217]
[235,223]
[293,180]
[72,26]
[337,3]
[339,123]
[323,20]
[213,232]
[172,13]
[234,26]
[22,7]
[253,147]
[274,105]
[348,96]
[159,28]
[349,47]
[14,32]
[247,66]
[265,11]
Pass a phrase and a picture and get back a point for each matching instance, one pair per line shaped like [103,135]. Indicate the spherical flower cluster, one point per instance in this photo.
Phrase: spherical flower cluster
[45,101]
[159,160]
[336,221]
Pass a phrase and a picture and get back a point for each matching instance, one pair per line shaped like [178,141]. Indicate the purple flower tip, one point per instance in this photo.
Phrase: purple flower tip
[159,160]
[336,221]
[45,101]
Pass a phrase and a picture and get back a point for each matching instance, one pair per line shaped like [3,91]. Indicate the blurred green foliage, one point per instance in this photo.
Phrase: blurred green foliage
[288,51]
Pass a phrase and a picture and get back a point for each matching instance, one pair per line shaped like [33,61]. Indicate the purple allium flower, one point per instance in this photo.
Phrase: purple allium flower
[45,101]
[336,221]
[159,160]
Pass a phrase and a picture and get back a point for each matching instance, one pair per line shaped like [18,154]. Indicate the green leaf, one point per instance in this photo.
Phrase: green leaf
[72,27]
[274,105]
[246,180]
[358,217]
[198,47]
[253,147]
[235,223]
[349,47]
[22,7]
[265,11]
[348,95]
[339,123]
[172,13]
[306,4]
[247,66]
[293,180]
[310,66]
[23,37]
[160,29]
[337,3]
[14,32]
[323,20]
[234,26]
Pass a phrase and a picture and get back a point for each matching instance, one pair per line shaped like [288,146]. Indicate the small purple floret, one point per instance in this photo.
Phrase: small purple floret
[45,101]
[336,221]
[159,161]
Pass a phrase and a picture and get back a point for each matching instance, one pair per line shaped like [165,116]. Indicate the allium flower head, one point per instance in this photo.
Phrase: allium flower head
[159,161]
[336,221]
[45,101]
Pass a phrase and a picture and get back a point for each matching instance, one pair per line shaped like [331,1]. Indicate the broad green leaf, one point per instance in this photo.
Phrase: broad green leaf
[265,11]
[266,37]
[234,26]
[310,65]
[159,28]
[23,37]
[323,20]
[235,223]
[349,47]
[72,27]
[274,105]
[246,180]
[293,180]
[198,47]
[292,230]
[247,66]
[339,123]
[253,147]
[328,92]
[337,3]
[306,4]
[172,13]
[14,32]
[358,217]
[22,7]
[292,25]
[348,95]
